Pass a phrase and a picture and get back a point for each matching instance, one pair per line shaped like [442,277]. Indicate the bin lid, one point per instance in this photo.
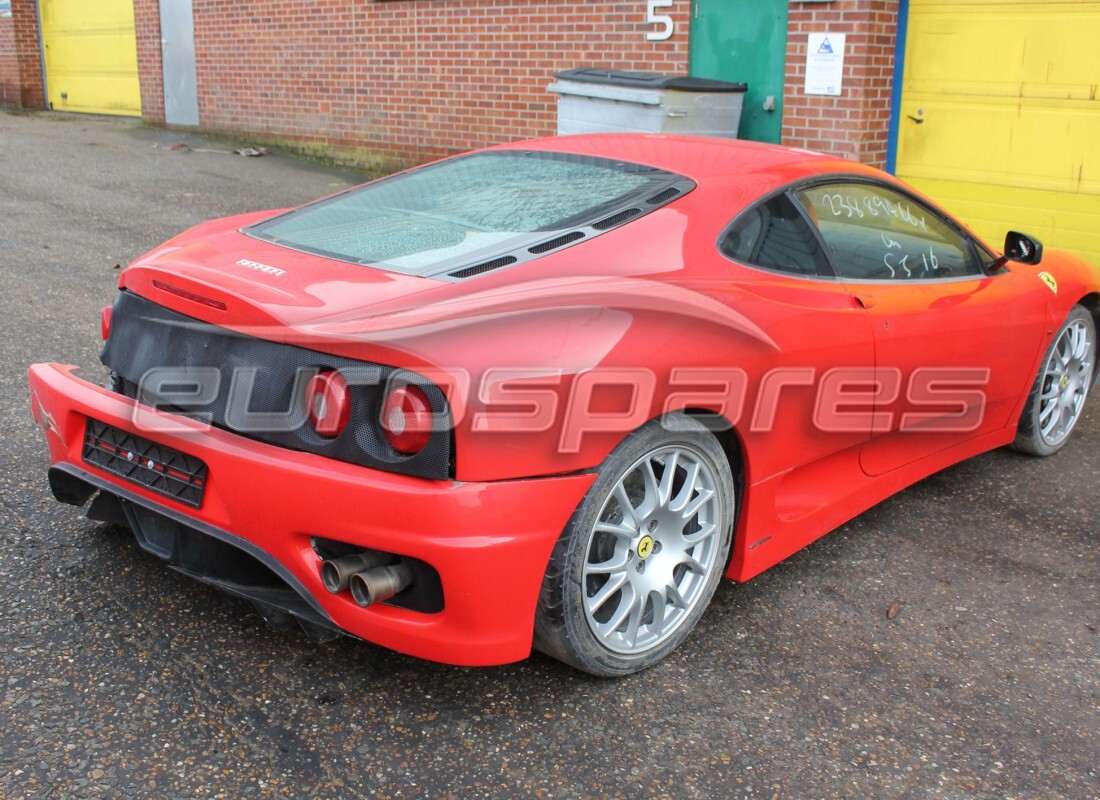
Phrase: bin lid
[648,80]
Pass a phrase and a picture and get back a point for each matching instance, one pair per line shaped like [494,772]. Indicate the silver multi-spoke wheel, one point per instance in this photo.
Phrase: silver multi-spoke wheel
[1066,381]
[639,561]
[1058,396]
[652,549]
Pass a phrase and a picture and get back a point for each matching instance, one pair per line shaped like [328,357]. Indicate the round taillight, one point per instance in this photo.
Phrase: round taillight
[328,401]
[407,419]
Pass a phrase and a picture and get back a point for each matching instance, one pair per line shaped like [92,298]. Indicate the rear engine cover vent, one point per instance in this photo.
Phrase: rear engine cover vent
[664,196]
[488,266]
[553,243]
[617,219]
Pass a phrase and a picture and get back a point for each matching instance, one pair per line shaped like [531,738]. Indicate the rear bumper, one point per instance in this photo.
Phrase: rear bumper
[489,542]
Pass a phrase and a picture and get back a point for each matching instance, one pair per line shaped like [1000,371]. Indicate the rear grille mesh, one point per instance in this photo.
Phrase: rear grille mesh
[617,219]
[561,241]
[488,266]
[662,197]
[154,466]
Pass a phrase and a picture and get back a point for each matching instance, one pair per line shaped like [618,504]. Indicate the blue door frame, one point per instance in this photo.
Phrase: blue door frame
[895,91]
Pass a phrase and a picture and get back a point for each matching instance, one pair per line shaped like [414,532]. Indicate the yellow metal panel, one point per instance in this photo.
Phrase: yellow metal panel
[90,51]
[1060,219]
[1009,131]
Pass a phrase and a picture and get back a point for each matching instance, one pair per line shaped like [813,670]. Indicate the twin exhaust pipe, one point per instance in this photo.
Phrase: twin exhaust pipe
[368,576]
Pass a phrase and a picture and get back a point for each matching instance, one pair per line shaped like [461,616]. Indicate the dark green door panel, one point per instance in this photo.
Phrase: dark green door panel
[744,40]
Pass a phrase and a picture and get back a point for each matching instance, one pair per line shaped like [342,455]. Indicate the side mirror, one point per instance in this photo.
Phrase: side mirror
[1022,249]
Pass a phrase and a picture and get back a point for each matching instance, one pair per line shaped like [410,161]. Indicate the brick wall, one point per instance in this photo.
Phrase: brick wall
[856,124]
[402,81]
[9,64]
[147,31]
[21,57]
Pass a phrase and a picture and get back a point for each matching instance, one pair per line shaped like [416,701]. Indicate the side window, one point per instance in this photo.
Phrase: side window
[875,233]
[775,235]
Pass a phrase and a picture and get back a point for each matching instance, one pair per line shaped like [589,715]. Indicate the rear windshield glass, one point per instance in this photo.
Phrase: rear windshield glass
[440,217]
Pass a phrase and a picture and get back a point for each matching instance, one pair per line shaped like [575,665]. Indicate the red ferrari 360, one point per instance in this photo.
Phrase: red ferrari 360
[548,394]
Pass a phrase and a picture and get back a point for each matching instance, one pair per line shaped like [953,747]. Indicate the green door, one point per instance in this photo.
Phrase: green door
[744,40]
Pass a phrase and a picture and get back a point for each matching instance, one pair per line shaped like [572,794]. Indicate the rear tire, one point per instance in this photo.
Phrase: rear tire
[638,563]
[1058,396]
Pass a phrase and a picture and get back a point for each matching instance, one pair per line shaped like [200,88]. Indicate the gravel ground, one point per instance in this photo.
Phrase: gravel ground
[122,679]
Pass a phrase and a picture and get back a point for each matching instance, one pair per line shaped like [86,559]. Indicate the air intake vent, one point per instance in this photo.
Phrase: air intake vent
[617,219]
[663,197]
[559,242]
[488,266]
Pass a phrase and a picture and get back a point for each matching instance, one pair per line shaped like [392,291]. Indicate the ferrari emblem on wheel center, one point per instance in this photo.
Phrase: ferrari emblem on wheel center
[645,547]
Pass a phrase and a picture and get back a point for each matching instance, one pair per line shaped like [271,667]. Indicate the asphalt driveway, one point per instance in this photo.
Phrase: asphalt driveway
[122,679]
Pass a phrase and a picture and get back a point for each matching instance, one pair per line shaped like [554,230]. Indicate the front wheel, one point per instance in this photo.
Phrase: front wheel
[1058,396]
[639,561]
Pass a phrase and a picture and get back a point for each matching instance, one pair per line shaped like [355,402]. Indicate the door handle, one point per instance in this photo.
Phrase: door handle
[864,300]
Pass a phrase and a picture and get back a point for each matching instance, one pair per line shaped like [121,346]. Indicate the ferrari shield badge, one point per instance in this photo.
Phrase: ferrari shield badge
[1049,280]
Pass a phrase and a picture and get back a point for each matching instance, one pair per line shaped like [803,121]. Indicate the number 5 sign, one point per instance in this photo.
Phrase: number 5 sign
[664,20]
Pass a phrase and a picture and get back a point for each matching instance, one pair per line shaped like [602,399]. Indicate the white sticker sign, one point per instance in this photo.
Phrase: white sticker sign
[825,63]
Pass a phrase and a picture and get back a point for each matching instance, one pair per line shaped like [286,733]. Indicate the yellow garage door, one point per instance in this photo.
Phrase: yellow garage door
[1000,116]
[90,52]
